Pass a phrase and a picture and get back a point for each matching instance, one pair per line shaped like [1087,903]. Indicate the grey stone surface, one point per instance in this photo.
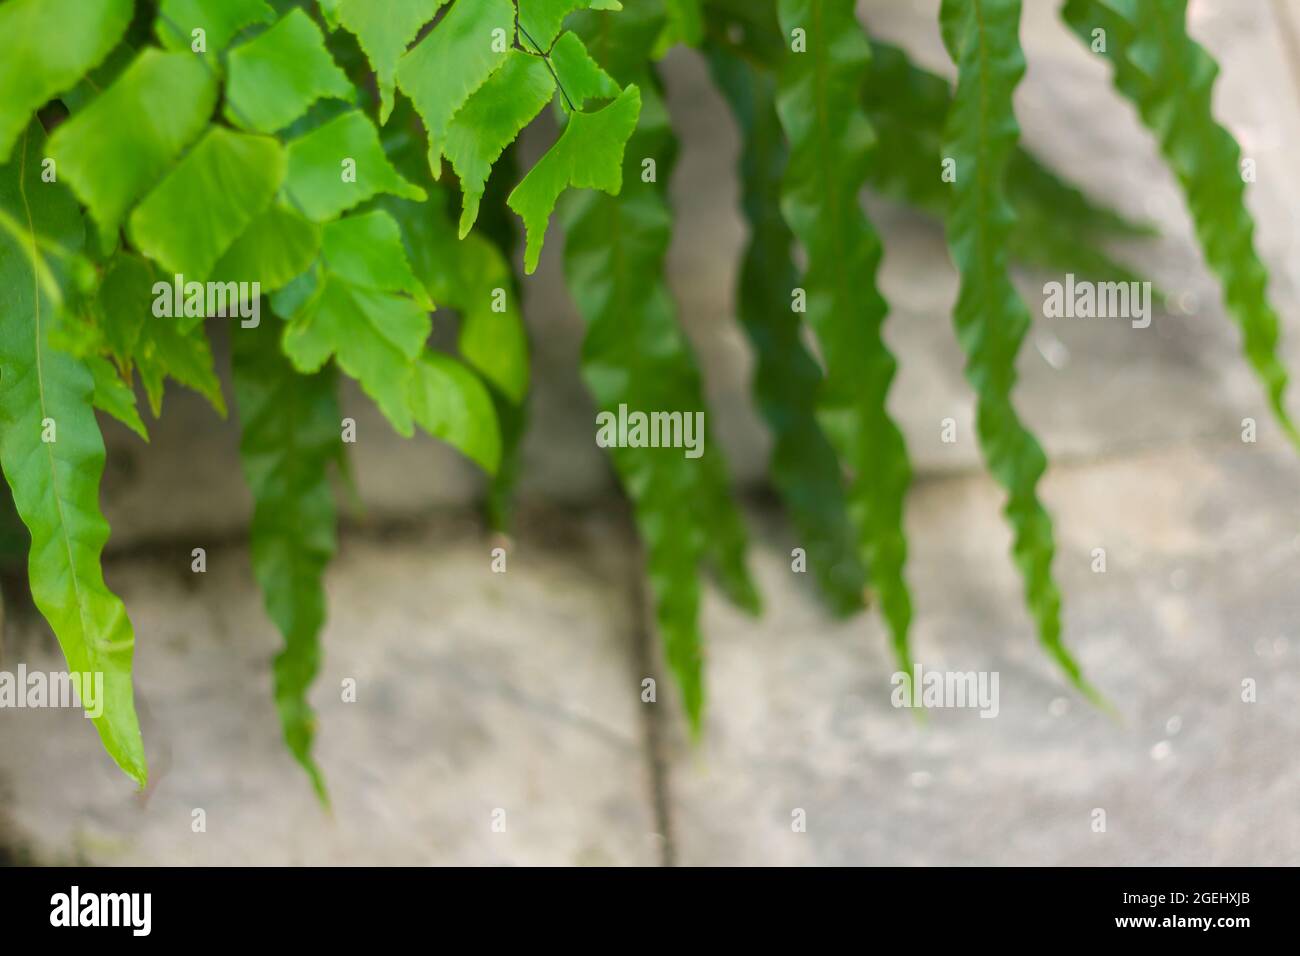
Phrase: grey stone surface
[475,691]
[1199,593]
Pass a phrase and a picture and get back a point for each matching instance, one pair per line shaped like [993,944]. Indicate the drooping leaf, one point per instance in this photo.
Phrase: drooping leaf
[830,141]
[52,452]
[362,311]
[219,20]
[277,247]
[46,46]
[114,395]
[1170,78]
[289,436]
[207,201]
[440,73]
[384,31]
[340,164]
[588,155]
[490,121]
[635,355]
[991,320]
[452,404]
[275,77]
[787,378]
[117,148]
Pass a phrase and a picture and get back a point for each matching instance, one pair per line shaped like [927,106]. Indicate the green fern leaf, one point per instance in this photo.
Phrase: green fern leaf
[500,229]
[1057,226]
[830,139]
[787,379]
[46,46]
[474,278]
[202,206]
[116,149]
[220,20]
[368,309]
[991,320]
[289,436]
[114,395]
[588,155]
[580,76]
[489,122]
[452,404]
[541,20]
[1170,79]
[274,78]
[276,248]
[52,452]
[635,355]
[319,162]
[384,31]
[159,348]
[440,73]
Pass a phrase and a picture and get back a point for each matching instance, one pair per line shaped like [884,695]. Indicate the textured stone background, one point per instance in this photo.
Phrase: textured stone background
[520,691]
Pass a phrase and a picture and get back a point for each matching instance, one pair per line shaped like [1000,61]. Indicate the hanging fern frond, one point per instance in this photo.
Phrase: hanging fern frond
[1057,225]
[289,437]
[787,378]
[1170,78]
[982,37]
[50,445]
[818,101]
[635,355]
[499,227]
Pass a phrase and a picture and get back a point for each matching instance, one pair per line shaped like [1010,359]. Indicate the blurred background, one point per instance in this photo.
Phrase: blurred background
[479,692]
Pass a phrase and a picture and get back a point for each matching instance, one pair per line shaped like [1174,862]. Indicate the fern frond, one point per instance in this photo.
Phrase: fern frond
[635,355]
[787,378]
[818,101]
[289,436]
[1058,226]
[982,37]
[1170,78]
[52,451]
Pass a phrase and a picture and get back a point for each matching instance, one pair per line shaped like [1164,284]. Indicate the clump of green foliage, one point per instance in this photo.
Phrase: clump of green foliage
[317,149]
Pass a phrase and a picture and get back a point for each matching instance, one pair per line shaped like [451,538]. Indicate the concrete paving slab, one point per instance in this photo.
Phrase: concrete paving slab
[1199,594]
[475,692]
